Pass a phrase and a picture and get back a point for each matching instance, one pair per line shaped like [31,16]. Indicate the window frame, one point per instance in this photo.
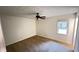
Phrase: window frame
[67,26]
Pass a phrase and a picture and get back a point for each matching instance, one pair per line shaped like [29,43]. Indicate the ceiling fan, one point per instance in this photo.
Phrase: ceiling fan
[39,17]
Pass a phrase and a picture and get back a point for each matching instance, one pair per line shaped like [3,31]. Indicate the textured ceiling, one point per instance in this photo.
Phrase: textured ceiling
[30,11]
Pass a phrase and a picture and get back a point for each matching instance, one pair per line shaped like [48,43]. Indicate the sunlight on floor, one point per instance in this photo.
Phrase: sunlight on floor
[52,47]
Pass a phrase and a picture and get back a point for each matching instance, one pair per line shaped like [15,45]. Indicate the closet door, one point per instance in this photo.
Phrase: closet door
[2,43]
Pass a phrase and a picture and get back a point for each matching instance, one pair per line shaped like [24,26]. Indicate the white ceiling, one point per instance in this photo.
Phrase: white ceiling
[30,11]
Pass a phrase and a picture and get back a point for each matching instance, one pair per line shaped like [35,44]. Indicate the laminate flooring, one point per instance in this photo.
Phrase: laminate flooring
[38,44]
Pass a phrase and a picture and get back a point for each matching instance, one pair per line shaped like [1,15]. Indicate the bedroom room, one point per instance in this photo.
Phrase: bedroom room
[38,28]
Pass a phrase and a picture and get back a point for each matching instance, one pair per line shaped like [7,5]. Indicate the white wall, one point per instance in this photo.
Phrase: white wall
[47,28]
[2,41]
[17,28]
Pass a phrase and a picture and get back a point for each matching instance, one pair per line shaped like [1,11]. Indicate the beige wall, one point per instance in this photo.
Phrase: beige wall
[2,43]
[17,28]
[47,28]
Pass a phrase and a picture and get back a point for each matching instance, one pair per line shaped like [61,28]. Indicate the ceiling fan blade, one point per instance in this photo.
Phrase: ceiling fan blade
[43,17]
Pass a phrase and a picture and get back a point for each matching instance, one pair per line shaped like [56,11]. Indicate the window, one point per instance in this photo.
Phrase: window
[62,27]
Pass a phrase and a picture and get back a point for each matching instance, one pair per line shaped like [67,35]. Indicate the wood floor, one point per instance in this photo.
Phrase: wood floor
[37,44]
